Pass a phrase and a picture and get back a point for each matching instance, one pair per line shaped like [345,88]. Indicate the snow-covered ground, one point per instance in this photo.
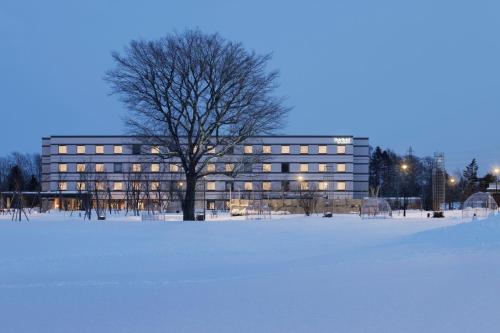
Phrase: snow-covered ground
[288,274]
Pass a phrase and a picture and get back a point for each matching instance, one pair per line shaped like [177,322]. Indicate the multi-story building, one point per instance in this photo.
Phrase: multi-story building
[264,167]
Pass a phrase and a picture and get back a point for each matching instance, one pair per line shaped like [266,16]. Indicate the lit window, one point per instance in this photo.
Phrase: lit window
[322,167]
[136,186]
[99,149]
[304,167]
[266,186]
[136,167]
[211,167]
[80,186]
[248,149]
[248,186]
[62,186]
[266,150]
[323,186]
[304,186]
[99,167]
[341,186]
[285,149]
[155,186]
[266,167]
[63,149]
[210,150]
[155,150]
[340,149]
[117,149]
[155,167]
[229,167]
[174,168]
[340,167]
[180,185]
[322,149]
[210,186]
[80,149]
[304,149]
[63,167]
[100,186]
[80,167]
[117,186]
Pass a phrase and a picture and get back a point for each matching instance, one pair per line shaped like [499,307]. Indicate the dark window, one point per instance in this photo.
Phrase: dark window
[211,204]
[229,186]
[285,185]
[285,167]
[117,167]
[136,149]
[230,150]
[247,168]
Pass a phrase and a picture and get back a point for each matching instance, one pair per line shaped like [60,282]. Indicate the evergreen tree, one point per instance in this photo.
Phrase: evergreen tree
[15,179]
[470,180]
[485,182]
[376,169]
[33,184]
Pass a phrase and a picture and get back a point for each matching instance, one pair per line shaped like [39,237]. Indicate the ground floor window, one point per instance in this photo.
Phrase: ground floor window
[211,204]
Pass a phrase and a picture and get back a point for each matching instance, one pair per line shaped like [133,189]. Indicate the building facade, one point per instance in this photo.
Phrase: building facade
[264,167]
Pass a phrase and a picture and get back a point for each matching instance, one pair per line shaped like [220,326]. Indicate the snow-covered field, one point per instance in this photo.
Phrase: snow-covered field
[288,274]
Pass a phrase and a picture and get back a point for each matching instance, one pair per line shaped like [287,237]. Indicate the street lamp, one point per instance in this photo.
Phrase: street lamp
[299,180]
[404,169]
[204,197]
[496,171]
[452,183]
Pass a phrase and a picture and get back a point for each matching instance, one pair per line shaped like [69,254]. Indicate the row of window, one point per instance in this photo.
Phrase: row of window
[285,149]
[210,186]
[99,149]
[211,167]
[247,149]
[117,167]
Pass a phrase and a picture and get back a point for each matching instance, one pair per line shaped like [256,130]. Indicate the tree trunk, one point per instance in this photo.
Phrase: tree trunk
[189,199]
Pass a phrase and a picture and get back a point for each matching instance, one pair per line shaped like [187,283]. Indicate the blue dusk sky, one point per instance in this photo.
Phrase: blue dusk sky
[420,73]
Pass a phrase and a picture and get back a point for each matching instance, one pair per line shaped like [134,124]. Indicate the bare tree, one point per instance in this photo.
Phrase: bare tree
[133,191]
[190,93]
[308,197]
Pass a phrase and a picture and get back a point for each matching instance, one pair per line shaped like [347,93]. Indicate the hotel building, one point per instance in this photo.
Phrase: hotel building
[263,167]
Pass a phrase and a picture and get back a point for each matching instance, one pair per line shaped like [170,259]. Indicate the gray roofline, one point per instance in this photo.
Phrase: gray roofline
[253,136]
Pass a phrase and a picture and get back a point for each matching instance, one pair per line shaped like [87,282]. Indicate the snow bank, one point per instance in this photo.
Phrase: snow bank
[62,274]
[475,233]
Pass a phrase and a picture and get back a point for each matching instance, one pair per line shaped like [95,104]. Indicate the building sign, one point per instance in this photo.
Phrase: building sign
[342,141]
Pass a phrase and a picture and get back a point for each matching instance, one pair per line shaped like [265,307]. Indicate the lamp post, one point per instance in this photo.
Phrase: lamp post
[299,180]
[404,169]
[496,171]
[204,197]
[181,184]
[452,183]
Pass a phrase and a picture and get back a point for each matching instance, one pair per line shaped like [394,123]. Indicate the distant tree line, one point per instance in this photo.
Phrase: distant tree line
[388,179]
[20,172]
